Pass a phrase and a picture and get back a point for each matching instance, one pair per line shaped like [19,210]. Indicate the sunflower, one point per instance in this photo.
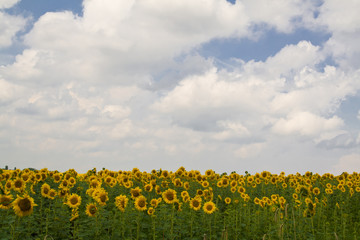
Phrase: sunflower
[135,192]
[140,203]
[241,189]
[121,202]
[169,196]
[5,201]
[154,202]
[57,177]
[74,214]
[73,200]
[45,190]
[205,184]
[102,197]
[195,203]
[72,181]
[19,185]
[52,194]
[63,193]
[9,185]
[151,211]
[186,185]
[227,200]
[91,209]
[25,177]
[23,206]
[316,191]
[148,187]
[209,207]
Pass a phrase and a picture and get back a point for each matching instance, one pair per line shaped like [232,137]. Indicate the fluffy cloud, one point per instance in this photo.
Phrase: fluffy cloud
[8,3]
[9,26]
[348,163]
[125,79]
[283,15]
[305,123]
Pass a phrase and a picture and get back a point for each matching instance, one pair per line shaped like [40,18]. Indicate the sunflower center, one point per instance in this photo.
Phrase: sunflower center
[73,200]
[24,205]
[195,204]
[103,198]
[170,196]
[209,207]
[92,210]
[18,184]
[141,203]
[5,201]
[46,191]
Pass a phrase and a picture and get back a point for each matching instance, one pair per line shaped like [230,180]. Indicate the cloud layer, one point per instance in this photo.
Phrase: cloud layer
[124,85]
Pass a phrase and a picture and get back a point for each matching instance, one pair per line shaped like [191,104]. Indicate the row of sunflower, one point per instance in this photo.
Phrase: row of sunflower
[43,204]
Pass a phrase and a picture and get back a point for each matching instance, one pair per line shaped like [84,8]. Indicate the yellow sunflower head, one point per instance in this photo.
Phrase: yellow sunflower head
[140,203]
[45,190]
[73,200]
[135,192]
[102,197]
[195,203]
[5,201]
[227,200]
[209,207]
[169,196]
[121,202]
[91,209]
[151,211]
[19,185]
[23,206]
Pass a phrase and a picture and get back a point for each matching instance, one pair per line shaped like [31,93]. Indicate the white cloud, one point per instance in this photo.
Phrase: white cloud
[8,3]
[280,14]
[306,124]
[340,17]
[348,163]
[9,26]
[9,91]
[249,150]
[126,79]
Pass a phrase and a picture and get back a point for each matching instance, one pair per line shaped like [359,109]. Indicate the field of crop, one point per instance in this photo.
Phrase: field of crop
[42,204]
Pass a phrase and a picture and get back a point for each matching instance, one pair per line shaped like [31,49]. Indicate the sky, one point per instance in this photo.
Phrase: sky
[245,85]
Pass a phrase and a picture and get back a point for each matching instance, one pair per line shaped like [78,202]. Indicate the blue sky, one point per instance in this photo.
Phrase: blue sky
[241,86]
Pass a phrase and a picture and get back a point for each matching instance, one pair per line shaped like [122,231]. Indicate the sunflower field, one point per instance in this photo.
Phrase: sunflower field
[43,204]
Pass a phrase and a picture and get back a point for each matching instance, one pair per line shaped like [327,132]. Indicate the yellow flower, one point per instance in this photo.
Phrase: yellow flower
[52,194]
[227,200]
[135,192]
[205,184]
[154,202]
[73,200]
[148,187]
[169,196]
[23,206]
[74,214]
[9,185]
[19,185]
[57,177]
[5,201]
[45,190]
[121,202]
[195,203]
[102,197]
[140,203]
[316,191]
[151,211]
[209,207]
[91,209]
